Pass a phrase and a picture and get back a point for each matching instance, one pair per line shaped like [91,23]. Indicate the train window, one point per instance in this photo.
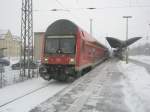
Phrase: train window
[60,44]
[51,45]
[67,45]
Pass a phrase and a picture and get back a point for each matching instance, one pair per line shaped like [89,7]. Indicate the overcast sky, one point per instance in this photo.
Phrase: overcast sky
[107,17]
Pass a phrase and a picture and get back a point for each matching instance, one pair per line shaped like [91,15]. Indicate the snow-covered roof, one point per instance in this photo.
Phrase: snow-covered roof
[15,37]
[2,33]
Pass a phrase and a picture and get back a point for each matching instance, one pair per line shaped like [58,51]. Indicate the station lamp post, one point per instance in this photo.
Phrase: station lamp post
[127,17]
[91,20]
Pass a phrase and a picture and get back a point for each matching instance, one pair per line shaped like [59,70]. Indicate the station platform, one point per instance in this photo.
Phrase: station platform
[100,90]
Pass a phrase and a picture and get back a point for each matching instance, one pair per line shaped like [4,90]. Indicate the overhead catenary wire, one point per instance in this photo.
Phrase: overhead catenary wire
[95,8]
[70,9]
[130,5]
[75,11]
[86,10]
[66,9]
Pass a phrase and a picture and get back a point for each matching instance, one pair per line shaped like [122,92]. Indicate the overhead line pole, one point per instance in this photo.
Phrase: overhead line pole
[27,36]
[127,17]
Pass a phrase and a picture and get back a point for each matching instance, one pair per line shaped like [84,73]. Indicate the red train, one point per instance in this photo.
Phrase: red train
[68,51]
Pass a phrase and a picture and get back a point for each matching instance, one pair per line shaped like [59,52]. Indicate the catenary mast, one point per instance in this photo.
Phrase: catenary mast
[26,37]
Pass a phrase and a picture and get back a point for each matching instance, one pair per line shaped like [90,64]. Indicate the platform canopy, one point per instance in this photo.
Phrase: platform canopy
[116,43]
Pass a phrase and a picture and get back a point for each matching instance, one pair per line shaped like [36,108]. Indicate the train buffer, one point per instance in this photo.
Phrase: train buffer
[99,90]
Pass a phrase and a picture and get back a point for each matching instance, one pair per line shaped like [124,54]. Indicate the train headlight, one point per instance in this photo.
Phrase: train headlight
[46,60]
[72,61]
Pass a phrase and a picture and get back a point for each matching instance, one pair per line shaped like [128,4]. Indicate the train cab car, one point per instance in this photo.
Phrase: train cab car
[68,51]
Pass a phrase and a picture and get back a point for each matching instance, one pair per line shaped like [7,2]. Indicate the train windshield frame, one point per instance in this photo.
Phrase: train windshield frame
[60,44]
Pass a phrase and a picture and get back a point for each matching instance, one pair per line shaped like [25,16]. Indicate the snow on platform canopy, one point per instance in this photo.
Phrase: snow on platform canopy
[132,40]
[116,43]
[113,42]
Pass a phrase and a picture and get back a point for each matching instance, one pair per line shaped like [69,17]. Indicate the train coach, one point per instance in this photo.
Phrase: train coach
[69,51]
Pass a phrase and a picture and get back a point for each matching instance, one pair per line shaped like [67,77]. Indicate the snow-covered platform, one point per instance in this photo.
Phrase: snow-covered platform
[101,90]
[113,86]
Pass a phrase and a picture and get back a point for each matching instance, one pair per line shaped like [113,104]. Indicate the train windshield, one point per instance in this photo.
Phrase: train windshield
[60,45]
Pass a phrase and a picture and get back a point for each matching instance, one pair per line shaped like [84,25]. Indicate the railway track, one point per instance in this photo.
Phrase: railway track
[31,98]
[20,97]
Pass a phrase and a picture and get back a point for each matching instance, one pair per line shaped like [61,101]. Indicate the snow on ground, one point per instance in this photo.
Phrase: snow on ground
[123,90]
[11,92]
[142,58]
[136,87]
[28,102]
[12,76]
[20,89]
[135,81]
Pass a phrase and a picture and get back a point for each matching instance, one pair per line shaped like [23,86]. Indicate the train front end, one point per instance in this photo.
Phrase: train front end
[59,49]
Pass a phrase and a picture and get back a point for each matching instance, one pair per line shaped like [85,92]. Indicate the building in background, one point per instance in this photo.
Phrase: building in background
[10,44]
[38,45]
[2,52]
